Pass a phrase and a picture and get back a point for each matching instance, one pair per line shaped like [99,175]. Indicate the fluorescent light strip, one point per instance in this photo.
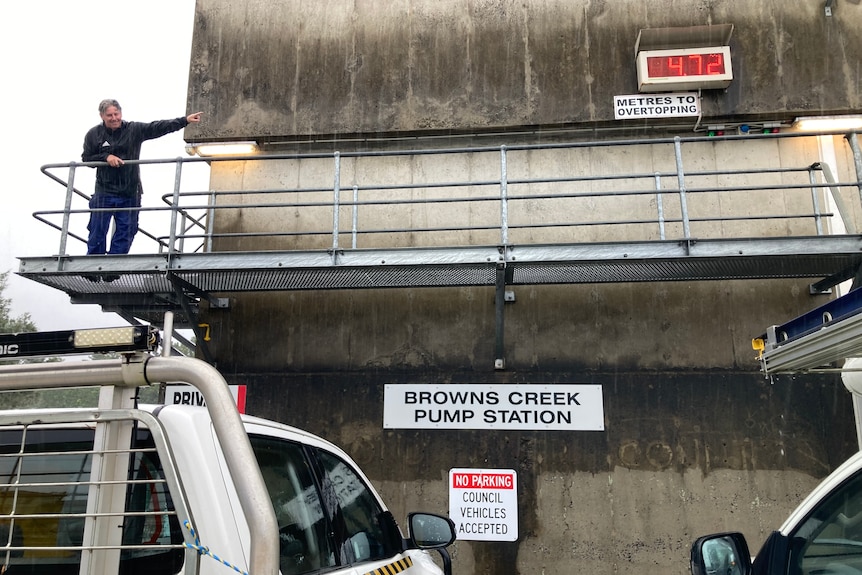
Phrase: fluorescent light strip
[222,148]
[828,123]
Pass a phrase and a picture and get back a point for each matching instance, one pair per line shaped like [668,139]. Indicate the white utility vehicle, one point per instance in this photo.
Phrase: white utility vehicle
[164,489]
[823,536]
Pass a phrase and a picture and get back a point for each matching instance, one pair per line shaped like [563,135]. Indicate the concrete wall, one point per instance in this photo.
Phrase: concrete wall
[679,325]
[696,439]
[279,70]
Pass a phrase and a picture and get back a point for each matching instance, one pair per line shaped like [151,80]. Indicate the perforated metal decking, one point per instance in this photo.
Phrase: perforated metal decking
[145,286]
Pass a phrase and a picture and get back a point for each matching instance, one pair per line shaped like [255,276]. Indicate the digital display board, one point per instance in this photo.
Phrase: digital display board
[685,68]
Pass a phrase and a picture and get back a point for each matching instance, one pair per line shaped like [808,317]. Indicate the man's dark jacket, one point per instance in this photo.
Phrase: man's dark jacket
[124,142]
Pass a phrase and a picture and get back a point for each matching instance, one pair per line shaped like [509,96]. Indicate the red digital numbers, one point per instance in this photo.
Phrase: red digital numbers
[710,64]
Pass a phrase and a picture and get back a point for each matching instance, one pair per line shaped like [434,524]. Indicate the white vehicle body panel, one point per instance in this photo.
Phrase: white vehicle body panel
[813,499]
[822,536]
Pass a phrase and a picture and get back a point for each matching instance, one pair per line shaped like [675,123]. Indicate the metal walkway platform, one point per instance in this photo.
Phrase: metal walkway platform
[145,286]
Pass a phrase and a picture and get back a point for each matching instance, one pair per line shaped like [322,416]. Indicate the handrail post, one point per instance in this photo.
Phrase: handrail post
[182,237]
[175,203]
[355,225]
[659,204]
[70,188]
[680,176]
[818,223]
[853,140]
[336,193]
[849,226]
[210,223]
[504,198]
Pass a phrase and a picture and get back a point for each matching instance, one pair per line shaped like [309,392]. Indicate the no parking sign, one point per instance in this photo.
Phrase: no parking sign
[483,503]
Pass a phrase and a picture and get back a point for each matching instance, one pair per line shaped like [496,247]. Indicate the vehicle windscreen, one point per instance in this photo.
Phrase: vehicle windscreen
[830,540]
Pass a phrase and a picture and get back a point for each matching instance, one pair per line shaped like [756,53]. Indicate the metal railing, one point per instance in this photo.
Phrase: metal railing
[527,194]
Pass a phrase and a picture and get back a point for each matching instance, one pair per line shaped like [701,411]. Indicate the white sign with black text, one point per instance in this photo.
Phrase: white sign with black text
[182,394]
[545,407]
[483,504]
[656,105]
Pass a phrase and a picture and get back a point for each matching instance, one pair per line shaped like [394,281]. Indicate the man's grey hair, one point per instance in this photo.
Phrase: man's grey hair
[105,104]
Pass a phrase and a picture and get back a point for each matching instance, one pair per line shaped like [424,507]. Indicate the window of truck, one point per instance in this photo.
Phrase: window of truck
[361,526]
[305,545]
[326,514]
[830,540]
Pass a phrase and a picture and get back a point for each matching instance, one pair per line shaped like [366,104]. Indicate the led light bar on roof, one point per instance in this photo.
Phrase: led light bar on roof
[100,340]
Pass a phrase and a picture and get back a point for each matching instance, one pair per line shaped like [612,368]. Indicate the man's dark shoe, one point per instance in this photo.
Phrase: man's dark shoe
[110,277]
[95,278]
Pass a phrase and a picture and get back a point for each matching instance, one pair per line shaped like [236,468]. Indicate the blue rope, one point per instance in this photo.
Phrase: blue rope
[203,550]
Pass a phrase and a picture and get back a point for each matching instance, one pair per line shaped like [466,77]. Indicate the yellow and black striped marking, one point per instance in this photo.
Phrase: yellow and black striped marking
[393,568]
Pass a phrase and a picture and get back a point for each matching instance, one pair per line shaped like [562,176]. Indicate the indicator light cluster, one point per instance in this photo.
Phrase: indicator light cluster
[744,129]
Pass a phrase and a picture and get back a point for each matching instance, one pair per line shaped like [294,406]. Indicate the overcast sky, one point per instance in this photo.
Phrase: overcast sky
[60,58]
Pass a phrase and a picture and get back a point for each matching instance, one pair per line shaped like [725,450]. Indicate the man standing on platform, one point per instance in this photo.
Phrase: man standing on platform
[118,186]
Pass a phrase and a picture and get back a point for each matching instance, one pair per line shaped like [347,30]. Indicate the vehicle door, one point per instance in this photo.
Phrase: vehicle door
[330,519]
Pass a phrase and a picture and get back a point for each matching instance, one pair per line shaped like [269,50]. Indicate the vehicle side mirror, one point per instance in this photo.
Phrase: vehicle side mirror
[720,554]
[430,531]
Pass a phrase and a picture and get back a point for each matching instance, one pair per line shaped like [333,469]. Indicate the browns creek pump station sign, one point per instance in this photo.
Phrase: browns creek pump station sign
[546,407]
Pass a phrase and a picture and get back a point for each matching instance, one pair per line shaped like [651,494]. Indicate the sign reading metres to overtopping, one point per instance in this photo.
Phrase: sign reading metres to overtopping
[483,504]
[634,106]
